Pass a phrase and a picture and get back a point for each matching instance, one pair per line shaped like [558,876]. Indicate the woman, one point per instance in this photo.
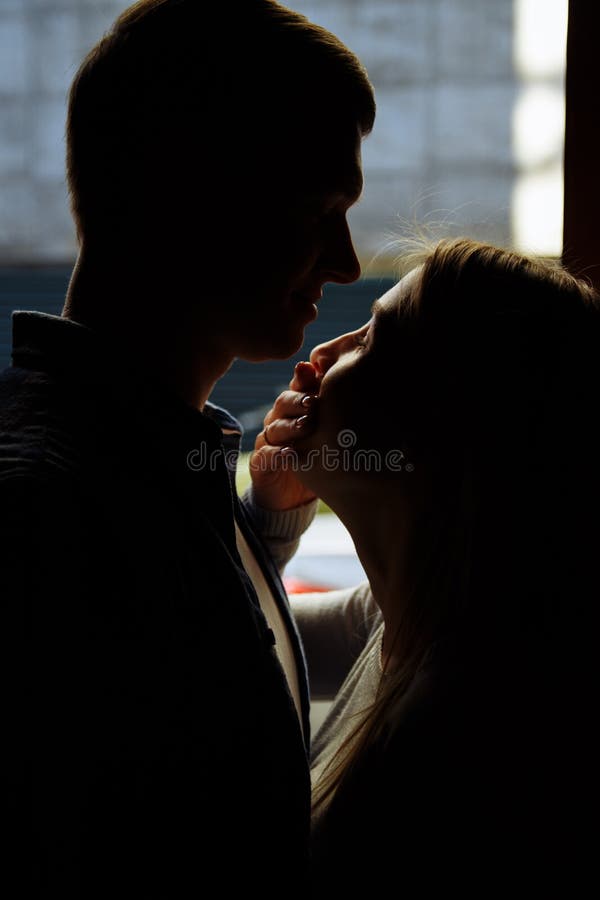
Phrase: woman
[463,414]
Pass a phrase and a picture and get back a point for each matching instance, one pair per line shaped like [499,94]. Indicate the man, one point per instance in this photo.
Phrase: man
[213,151]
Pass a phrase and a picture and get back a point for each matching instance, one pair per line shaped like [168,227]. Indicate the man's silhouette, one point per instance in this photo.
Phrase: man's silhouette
[158,714]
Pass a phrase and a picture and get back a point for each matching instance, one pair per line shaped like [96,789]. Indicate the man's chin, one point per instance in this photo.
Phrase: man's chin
[279,347]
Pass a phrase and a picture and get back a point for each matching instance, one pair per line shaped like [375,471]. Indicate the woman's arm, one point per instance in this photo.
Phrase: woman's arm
[280,530]
[334,626]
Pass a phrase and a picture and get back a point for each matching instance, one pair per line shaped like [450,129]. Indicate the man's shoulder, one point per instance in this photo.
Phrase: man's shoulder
[28,396]
[38,428]
[29,484]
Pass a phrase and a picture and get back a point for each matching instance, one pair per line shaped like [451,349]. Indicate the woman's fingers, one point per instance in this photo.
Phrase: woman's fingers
[281,431]
[291,405]
[292,417]
[305,378]
[293,413]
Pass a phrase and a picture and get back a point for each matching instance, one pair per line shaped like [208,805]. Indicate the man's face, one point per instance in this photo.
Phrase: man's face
[293,239]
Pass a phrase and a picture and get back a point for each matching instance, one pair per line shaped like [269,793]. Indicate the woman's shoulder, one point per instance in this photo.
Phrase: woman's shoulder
[473,768]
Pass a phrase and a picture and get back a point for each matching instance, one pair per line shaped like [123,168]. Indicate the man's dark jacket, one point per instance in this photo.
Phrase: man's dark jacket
[153,743]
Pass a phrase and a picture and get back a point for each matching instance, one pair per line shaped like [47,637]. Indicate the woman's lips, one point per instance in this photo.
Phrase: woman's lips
[317,369]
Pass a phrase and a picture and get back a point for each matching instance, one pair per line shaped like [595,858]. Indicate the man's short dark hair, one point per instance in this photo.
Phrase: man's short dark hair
[181,86]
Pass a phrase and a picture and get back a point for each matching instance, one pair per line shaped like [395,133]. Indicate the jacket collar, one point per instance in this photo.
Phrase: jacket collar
[61,347]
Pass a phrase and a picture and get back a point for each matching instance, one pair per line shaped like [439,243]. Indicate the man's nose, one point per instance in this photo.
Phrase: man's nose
[341,263]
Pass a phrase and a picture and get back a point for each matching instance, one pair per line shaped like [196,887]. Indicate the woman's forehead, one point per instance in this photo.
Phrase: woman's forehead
[392,299]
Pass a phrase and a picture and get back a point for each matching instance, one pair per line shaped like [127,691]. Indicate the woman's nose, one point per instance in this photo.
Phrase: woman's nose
[323,356]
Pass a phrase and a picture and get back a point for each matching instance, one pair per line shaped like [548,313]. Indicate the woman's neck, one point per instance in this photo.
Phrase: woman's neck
[383,542]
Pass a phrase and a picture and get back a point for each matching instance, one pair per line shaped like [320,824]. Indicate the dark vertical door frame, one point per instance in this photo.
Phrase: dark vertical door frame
[581,229]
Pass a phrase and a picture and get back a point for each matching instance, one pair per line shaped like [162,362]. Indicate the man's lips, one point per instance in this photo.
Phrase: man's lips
[308,297]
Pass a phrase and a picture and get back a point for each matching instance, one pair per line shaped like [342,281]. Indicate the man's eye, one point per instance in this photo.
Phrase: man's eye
[361,339]
[319,209]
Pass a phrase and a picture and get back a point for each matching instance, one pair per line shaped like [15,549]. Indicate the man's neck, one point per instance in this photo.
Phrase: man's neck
[135,317]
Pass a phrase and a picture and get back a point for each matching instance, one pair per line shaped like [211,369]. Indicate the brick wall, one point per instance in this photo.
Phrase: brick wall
[441,150]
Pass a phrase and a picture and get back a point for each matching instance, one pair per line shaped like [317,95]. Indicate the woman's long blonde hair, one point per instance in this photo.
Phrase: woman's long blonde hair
[504,356]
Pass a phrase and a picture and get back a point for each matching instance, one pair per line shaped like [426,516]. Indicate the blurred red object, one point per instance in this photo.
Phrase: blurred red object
[298,586]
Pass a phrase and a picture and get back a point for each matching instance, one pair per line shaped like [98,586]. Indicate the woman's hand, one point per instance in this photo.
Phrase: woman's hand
[291,417]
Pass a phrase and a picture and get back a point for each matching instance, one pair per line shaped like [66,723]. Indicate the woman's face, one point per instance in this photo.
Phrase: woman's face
[362,378]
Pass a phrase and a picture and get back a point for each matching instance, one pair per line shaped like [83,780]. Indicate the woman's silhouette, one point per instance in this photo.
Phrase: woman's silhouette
[458,750]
